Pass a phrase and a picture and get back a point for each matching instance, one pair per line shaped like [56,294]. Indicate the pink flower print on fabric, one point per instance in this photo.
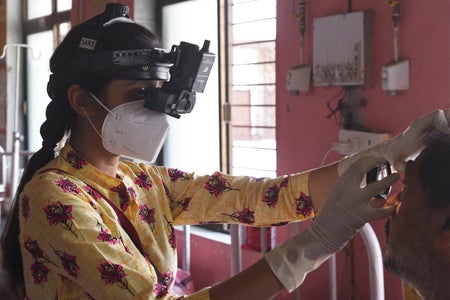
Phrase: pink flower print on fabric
[75,160]
[271,196]
[113,274]
[176,174]
[25,207]
[216,185]
[147,215]
[32,246]
[67,186]
[132,193]
[166,189]
[143,180]
[303,205]
[171,236]
[124,197]
[69,263]
[58,213]
[39,271]
[183,203]
[284,182]
[106,236]
[162,287]
[257,179]
[93,192]
[245,216]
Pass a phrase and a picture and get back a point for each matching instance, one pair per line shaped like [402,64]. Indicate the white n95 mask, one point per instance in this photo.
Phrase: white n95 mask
[133,131]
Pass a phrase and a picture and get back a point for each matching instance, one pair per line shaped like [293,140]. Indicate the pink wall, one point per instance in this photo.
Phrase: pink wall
[423,38]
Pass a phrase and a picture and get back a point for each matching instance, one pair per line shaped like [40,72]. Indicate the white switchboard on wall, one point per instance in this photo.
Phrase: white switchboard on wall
[342,49]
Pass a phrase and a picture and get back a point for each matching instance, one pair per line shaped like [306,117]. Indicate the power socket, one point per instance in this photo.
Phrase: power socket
[351,141]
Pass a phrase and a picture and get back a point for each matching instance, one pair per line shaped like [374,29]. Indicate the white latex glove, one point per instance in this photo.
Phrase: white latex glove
[345,212]
[405,145]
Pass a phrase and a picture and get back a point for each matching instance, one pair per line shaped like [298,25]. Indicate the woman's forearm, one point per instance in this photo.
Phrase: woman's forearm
[320,182]
[256,282]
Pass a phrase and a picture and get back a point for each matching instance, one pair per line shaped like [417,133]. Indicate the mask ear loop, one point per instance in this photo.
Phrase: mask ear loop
[95,129]
[107,109]
[101,104]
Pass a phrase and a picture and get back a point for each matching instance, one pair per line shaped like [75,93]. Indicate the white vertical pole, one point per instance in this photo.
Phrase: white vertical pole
[187,248]
[332,277]
[375,262]
[16,136]
[236,263]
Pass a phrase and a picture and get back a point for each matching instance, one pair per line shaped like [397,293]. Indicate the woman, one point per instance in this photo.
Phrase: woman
[96,227]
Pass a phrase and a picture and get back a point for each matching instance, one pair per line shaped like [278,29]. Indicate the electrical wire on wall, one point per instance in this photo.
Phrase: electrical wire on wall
[298,78]
[395,74]
[302,27]
[395,4]
[340,111]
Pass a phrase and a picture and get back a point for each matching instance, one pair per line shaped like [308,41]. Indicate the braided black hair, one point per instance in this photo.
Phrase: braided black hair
[60,118]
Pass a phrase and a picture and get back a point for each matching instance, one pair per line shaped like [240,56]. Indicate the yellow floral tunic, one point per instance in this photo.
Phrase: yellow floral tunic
[74,246]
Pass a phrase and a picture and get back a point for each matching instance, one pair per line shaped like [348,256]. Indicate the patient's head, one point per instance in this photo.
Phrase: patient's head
[418,245]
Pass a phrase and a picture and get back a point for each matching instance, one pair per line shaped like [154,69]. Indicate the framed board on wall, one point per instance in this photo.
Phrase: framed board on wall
[342,49]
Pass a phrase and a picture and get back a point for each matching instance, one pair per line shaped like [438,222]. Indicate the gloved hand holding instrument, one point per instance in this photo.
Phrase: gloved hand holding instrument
[407,144]
[347,209]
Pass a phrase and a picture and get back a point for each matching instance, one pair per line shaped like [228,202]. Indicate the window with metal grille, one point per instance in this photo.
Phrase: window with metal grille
[46,23]
[249,109]
[246,62]
[252,97]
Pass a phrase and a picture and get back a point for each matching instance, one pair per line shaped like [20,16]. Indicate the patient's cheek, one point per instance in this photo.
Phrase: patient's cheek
[398,208]
[376,202]
[394,201]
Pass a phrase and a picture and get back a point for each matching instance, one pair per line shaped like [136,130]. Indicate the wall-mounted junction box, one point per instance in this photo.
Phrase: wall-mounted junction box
[342,48]
[298,78]
[351,141]
[395,76]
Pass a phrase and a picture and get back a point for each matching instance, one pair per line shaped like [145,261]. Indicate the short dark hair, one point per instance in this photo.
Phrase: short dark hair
[434,170]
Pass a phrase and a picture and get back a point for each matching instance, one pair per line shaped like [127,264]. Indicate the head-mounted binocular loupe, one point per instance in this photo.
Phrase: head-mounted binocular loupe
[188,75]
[184,69]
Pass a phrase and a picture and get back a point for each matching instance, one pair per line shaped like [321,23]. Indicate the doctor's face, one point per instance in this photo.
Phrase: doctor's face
[117,92]
[122,91]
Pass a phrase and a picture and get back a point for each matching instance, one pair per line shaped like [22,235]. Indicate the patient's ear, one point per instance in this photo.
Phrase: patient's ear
[442,240]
